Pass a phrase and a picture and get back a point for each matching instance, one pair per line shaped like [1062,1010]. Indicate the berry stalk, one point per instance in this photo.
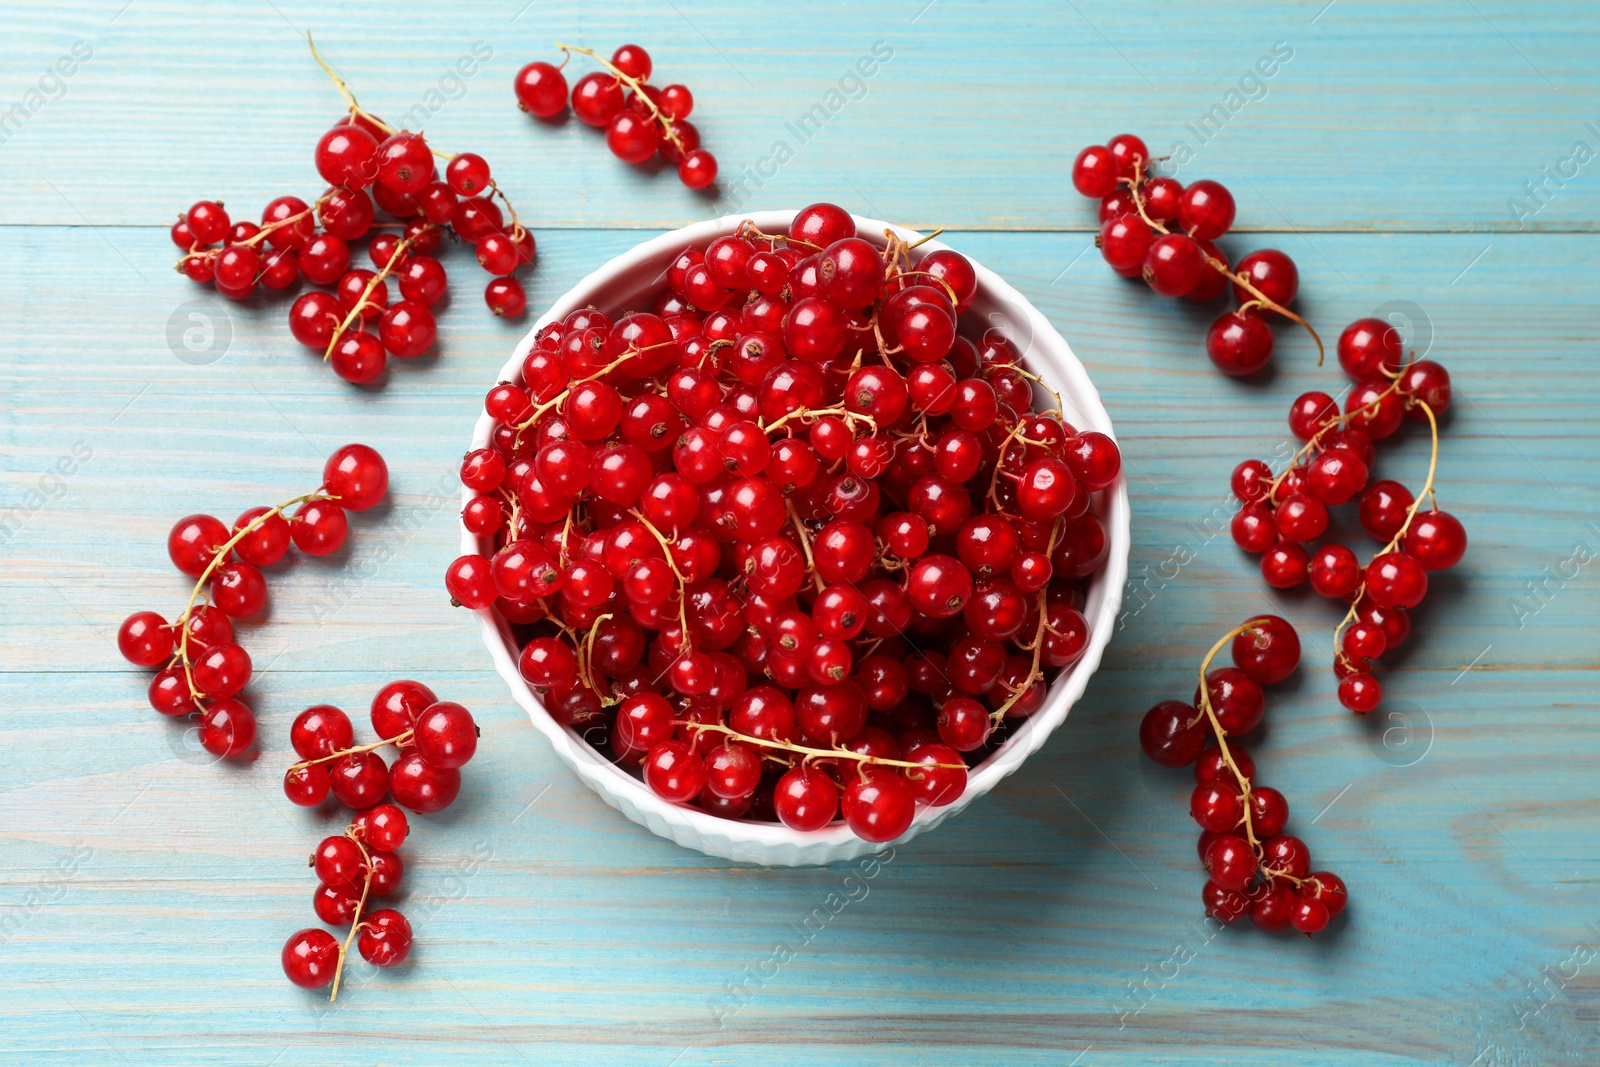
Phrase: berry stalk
[861,759]
[355,922]
[376,280]
[1351,615]
[633,83]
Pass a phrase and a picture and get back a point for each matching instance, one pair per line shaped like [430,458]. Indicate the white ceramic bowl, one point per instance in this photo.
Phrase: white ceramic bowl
[632,280]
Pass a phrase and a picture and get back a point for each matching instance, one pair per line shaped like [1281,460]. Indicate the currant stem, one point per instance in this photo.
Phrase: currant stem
[1222,734]
[683,595]
[355,920]
[850,417]
[805,544]
[586,655]
[1034,673]
[1411,514]
[750,229]
[397,741]
[860,758]
[372,283]
[948,288]
[994,477]
[344,90]
[633,83]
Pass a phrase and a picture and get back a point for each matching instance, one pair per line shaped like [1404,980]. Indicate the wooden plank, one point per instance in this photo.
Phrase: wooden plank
[1374,116]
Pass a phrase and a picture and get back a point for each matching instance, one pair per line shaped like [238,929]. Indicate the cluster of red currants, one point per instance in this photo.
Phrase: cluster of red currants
[1254,866]
[1161,230]
[364,160]
[1283,514]
[204,668]
[435,738]
[788,542]
[640,120]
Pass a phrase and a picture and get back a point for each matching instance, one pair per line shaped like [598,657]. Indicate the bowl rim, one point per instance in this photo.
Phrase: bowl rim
[836,839]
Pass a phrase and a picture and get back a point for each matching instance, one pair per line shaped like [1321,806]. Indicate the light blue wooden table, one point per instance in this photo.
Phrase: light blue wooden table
[144,895]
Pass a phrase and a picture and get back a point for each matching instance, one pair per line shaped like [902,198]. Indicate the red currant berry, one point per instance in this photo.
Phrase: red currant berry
[306,786]
[1360,692]
[1286,854]
[878,804]
[145,639]
[1254,528]
[1236,700]
[1125,242]
[1173,733]
[1285,565]
[1272,907]
[1370,347]
[541,90]
[227,728]
[632,138]
[1396,579]
[1216,806]
[1383,509]
[358,779]
[1271,273]
[319,527]
[821,224]
[446,736]
[194,541]
[1239,343]
[419,786]
[1301,518]
[385,938]
[1206,210]
[674,772]
[1328,888]
[207,223]
[1334,572]
[505,297]
[1436,539]
[309,958]
[1372,406]
[321,730]
[469,582]
[1425,382]
[1231,861]
[698,168]
[1224,905]
[1094,172]
[806,798]
[1162,198]
[1174,265]
[1268,651]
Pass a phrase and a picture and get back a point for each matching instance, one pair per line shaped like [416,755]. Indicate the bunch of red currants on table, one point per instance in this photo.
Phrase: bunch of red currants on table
[641,120]
[351,320]
[794,540]
[1255,868]
[1156,228]
[435,739]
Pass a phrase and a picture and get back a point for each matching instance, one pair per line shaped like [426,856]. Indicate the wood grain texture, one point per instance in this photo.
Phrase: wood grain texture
[144,894]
